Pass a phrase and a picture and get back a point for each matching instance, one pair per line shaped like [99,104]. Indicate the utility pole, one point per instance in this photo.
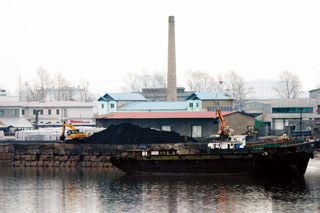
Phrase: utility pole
[36,111]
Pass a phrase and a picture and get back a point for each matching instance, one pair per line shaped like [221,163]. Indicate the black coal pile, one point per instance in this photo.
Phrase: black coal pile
[131,134]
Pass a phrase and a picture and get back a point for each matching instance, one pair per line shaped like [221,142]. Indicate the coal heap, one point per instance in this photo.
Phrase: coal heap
[131,134]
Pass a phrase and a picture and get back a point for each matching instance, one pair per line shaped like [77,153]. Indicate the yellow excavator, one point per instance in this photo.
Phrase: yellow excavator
[72,134]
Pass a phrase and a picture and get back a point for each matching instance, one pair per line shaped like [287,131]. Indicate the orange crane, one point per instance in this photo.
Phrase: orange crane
[221,132]
[72,134]
[224,134]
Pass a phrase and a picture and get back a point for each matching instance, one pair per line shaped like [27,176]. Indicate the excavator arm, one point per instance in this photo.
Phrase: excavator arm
[223,132]
[219,114]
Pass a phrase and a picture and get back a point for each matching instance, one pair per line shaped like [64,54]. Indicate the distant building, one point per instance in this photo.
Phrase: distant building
[298,112]
[50,113]
[160,94]
[208,101]
[3,92]
[314,93]
[257,107]
[111,102]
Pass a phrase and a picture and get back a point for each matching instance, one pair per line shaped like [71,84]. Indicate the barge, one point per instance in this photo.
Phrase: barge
[279,158]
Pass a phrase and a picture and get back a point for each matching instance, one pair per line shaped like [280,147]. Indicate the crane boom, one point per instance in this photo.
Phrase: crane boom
[219,114]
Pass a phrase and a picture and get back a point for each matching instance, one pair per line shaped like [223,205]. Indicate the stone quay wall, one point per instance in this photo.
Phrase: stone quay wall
[57,154]
[70,155]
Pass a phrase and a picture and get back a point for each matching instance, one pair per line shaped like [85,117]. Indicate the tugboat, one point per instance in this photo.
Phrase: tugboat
[228,155]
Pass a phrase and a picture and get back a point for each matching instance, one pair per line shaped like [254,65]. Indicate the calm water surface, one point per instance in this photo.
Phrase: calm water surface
[101,190]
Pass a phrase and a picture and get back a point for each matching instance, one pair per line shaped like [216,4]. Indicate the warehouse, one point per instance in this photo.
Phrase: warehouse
[192,124]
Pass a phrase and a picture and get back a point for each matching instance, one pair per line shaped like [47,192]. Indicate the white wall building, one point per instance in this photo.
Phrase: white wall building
[49,112]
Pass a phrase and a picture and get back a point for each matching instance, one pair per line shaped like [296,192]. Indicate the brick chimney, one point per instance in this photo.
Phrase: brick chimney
[171,78]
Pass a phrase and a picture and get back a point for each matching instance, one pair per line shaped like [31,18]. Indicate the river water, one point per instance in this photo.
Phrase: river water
[108,190]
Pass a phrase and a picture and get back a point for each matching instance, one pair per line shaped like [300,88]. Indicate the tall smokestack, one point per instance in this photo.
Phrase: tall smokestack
[172,79]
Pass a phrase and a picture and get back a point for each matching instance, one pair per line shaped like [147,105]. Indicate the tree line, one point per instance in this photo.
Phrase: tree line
[55,88]
[231,84]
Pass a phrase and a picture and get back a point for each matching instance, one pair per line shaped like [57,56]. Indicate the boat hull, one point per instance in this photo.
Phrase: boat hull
[218,165]
[288,161]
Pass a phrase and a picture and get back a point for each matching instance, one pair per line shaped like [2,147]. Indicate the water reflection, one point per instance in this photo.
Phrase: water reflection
[101,190]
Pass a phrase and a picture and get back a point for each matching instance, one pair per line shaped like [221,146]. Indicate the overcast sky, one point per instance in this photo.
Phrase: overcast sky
[103,40]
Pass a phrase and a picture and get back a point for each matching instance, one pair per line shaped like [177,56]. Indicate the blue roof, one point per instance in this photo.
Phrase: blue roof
[208,96]
[125,96]
[157,105]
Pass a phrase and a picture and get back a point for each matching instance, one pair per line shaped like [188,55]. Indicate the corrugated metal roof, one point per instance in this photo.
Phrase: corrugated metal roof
[157,105]
[16,122]
[159,115]
[126,96]
[209,96]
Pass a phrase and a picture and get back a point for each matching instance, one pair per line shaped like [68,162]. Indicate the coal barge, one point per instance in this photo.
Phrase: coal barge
[228,155]
[281,158]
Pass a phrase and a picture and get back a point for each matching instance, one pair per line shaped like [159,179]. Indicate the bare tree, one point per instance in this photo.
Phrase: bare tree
[200,81]
[289,85]
[159,80]
[84,85]
[62,85]
[134,82]
[43,83]
[131,82]
[235,86]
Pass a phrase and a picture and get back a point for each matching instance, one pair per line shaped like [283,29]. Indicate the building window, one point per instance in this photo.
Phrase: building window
[57,111]
[191,105]
[112,106]
[197,105]
[22,112]
[166,128]
[41,111]
[14,112]
[292,110]
[102,106]
[34,111]
[1,112]
[49,111]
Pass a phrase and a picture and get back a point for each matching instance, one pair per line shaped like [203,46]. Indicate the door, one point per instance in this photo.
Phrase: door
[278,124]
[166,128]
[196,131]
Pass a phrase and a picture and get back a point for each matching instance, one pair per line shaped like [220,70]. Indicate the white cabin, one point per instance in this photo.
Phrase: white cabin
[234,142]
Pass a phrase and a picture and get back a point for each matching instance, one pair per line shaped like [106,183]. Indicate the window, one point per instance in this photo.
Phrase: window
[14,112]
[58,112]
[22,112]
[197,105]
[166,128]
[191,105]
[34,111]
[102,106]
[292,110]
[1,112]
[49,111]
[112,106]
[41,111]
